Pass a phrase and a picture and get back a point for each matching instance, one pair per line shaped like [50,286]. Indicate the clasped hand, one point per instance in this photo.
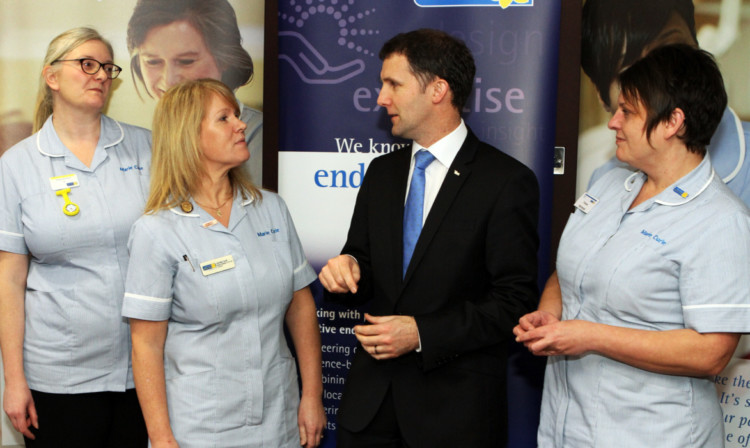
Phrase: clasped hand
[545,335]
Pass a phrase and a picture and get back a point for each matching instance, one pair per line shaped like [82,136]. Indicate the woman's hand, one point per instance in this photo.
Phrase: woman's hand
[19,405]
[553,337]
[530,322]
[311,419]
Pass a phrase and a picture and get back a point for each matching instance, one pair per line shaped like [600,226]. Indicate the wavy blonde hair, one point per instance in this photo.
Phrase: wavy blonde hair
[176,161]
[57,49]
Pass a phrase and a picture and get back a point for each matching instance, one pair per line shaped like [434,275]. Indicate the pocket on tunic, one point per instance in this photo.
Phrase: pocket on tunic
[636,407]
[203,405]
[49,331]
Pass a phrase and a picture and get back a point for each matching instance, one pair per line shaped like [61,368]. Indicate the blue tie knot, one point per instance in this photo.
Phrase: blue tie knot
[422,159]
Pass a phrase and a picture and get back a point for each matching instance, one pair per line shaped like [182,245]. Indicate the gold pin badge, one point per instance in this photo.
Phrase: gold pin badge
[186,207]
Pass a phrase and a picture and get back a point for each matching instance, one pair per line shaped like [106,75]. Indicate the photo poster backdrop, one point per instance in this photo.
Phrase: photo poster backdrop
[331,128]
[733,389]
[27,27]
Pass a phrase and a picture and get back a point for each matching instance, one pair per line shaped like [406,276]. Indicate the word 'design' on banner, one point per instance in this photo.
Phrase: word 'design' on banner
[332,127]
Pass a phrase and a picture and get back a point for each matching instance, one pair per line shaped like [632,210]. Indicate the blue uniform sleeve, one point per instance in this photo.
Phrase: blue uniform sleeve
[715,284]
[149,284]
[11,226]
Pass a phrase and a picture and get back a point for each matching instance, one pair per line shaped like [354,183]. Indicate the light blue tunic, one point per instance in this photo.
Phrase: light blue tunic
[75,339]
[672,262]
[729,157]
[231,380]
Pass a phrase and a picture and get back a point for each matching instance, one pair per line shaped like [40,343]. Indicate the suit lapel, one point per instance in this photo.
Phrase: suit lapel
[458,173]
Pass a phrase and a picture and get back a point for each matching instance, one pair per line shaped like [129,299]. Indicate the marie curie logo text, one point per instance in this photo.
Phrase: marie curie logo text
[501,3]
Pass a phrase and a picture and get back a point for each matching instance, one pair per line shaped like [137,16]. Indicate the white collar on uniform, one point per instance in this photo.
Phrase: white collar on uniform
[685,189]
[111,133]
[177,209]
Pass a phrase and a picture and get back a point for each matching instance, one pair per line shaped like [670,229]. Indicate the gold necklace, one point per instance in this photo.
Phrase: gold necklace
[218,209]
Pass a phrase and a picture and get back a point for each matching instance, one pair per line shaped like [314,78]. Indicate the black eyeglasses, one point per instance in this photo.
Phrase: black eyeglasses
[92,66]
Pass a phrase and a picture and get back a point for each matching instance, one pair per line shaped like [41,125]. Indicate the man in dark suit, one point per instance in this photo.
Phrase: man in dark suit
[430,367]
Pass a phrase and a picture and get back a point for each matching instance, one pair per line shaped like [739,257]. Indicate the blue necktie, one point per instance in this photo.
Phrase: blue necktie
[415,205]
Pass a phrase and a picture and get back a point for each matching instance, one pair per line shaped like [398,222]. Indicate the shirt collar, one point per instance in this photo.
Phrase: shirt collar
[681,192]
[446,148]
[195,213]
[49,143]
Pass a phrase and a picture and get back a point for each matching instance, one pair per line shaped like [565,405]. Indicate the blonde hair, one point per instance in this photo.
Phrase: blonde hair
[57,49]
[176,165]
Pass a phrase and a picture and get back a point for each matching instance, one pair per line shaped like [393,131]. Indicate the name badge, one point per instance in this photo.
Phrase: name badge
[586,202]
[63,182]
[217,265]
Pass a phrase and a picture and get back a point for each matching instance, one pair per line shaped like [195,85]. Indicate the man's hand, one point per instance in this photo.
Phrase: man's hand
[340,275]
[388,336]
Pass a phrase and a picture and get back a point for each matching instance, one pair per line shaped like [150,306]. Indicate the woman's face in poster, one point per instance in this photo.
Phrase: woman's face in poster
[173,53]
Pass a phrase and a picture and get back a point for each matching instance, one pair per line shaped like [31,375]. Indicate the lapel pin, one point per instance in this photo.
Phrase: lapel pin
[186,207]
[455,172]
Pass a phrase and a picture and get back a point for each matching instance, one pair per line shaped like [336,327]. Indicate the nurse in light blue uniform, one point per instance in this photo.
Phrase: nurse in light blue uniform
[67,203]
[651,291]
[212,280]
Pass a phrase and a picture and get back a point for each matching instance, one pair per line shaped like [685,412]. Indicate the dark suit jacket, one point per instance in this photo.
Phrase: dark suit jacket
[472,275]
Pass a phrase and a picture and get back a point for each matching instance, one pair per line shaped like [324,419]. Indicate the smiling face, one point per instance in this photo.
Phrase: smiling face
[222,136]
[174,53]
[407,103]
[73,87]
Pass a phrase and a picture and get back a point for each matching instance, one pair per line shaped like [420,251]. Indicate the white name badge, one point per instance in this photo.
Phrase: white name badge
[217,265]
[62,182]
[586,202]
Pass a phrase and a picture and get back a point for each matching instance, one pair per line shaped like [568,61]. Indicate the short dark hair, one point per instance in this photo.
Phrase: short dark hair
[215,20]
[609,26]
[434,53]
[678,76]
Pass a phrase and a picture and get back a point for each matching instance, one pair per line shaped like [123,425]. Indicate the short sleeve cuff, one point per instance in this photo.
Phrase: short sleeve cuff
[146,308]
[718,318]
[303,276]
[13,242]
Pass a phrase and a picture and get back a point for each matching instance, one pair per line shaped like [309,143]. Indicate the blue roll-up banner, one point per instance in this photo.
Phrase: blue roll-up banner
[331,128]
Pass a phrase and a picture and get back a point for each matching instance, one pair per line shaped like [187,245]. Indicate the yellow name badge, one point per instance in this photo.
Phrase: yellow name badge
[217,265]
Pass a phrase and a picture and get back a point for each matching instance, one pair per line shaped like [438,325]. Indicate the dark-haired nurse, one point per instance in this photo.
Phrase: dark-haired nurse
[652,290]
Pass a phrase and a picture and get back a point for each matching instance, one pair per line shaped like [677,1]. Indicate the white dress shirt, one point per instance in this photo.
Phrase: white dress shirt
[445,151]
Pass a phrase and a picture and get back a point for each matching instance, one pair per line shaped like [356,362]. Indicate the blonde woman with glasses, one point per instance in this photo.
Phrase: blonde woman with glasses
[68,196]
